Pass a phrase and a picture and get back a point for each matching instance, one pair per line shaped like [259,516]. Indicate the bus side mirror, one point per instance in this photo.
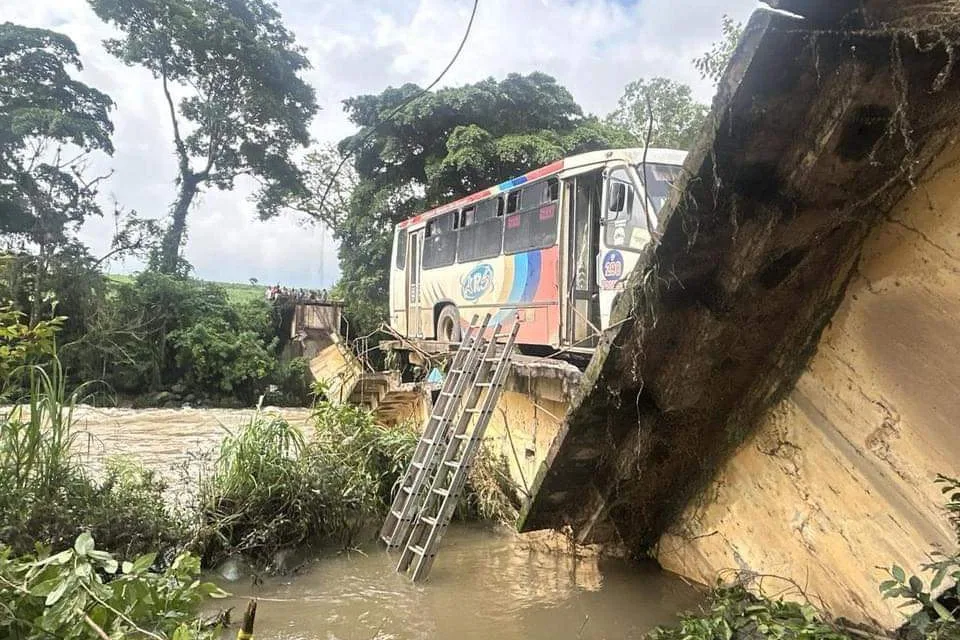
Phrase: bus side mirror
[617,197]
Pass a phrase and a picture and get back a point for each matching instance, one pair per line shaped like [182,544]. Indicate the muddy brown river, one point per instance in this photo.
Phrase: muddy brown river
[486,583]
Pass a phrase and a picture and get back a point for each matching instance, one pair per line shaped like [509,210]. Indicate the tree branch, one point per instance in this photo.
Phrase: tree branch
[177,139]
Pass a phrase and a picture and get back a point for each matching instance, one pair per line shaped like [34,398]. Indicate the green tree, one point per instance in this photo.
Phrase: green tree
[230,72]
[664,108]
[445,144]
[713,63]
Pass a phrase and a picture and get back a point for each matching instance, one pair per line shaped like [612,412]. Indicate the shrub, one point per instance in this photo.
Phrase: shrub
[83,592]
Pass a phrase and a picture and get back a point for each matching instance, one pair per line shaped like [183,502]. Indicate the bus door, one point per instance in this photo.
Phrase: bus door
[583,311]
[414,250]
[623,235]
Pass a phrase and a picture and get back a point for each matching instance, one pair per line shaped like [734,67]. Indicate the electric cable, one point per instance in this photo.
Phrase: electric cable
[401,106]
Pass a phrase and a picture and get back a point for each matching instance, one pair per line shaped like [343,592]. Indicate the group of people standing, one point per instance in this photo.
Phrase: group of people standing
[277,292]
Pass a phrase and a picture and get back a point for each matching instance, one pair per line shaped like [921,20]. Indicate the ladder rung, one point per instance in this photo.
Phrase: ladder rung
[418,465]
[447,394]
[407,489]
[463,436]
[455,371]
[484,384]
[473,410]
[442,492]
[430,520]
[453,464]
[398,514]
[417,549]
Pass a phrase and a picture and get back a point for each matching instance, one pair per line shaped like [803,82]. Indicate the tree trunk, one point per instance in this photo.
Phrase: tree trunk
[173,238]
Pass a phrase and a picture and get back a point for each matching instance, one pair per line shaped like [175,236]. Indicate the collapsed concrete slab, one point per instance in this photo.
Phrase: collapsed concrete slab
[821,123]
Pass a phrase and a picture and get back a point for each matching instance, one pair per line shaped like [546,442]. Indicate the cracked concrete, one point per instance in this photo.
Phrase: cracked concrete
[838,479]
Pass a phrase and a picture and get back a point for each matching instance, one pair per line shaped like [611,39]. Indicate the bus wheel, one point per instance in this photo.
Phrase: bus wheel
[448,324]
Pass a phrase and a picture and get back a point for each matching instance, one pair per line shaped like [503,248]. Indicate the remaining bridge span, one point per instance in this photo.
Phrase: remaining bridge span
[820,125]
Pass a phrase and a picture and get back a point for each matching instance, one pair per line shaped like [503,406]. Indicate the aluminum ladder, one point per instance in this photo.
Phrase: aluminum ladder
[458,451]
[426,457]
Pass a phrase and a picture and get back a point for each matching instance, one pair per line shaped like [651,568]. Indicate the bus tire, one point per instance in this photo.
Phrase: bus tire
[448,324]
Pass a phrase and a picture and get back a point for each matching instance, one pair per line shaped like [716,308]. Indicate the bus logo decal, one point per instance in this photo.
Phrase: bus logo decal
[477,282]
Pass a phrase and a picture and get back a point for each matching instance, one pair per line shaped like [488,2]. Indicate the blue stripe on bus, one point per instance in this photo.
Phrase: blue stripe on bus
[509,184]
[533,276]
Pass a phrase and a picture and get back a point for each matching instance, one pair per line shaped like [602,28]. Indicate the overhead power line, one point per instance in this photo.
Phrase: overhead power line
[400,107]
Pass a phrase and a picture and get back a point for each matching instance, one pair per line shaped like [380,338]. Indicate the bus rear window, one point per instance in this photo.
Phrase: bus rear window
[401,249]
[440,242]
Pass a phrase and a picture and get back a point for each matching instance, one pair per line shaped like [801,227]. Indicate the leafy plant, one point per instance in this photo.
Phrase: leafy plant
[935,615]
[83,592]
[272,489]
[20,342]
[713,63]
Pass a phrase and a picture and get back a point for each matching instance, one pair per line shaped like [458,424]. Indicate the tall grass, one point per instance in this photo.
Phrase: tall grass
[36,449]
[273,488]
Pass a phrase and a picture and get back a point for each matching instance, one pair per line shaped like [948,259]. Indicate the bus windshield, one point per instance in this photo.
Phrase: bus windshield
[659,178]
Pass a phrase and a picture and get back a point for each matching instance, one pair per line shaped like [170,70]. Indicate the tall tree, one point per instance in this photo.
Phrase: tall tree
[230,73]
[443,145]
[49,124]
[664,108]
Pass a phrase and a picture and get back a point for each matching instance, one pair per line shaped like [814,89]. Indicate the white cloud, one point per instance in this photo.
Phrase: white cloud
[593,47]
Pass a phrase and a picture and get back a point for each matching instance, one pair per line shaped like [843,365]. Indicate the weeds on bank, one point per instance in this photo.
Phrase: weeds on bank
[46,493]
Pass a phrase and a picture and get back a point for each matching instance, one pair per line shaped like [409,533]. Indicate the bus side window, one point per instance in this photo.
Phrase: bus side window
[513,201]
[535,226]
[551,191]
[440,243]
[401,250]
[467,216]
[483,237]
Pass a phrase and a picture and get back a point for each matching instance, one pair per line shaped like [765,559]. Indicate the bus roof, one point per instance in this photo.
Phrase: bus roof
[633,156]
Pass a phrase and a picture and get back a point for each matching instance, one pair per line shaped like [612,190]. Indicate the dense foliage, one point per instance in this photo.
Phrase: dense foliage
[85,593]
[276,489]
[41,107]
[273,489]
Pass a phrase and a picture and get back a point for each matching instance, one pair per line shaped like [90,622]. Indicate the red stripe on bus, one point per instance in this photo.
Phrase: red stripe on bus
[542,171]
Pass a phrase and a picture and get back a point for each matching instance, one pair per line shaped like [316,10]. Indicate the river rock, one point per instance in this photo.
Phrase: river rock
[233,568]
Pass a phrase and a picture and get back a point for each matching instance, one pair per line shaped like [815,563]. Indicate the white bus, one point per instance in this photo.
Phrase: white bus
[552,247]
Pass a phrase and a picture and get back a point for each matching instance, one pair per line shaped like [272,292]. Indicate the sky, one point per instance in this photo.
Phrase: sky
[593,47]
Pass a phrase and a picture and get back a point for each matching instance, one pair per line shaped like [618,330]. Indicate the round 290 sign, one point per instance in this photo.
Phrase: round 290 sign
[612,268]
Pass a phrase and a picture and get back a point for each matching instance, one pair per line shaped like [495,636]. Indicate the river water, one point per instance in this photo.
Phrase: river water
[485,583]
